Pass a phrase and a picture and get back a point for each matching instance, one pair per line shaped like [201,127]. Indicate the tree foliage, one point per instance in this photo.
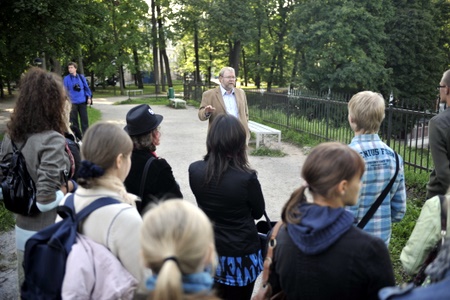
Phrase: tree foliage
[342,45]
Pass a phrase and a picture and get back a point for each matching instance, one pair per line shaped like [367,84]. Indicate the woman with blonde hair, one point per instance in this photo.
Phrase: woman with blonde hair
[319,254]
[106,152]
[177,243]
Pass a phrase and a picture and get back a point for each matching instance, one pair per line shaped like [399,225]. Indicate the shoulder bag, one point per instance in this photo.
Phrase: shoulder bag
[265,292]
[143,180]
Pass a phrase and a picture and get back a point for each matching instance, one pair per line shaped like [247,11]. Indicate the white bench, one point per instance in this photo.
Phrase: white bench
[176,101]
[261,130]
[135,92]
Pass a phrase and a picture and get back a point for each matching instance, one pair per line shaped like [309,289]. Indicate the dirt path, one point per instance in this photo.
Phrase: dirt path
[182,142]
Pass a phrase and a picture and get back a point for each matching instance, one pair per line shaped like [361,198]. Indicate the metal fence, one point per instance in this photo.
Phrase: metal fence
[324,116]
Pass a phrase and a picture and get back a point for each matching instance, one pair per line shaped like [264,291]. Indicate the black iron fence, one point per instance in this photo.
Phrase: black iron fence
[324,116]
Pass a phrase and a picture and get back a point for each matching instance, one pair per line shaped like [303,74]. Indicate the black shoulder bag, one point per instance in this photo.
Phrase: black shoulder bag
[143,180]
[380,198]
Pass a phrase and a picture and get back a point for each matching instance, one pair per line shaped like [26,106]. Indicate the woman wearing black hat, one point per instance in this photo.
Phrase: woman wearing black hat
[150,177]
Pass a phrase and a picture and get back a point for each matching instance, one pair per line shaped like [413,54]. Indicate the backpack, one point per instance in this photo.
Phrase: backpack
[46,251]
[19,190]
[93,272]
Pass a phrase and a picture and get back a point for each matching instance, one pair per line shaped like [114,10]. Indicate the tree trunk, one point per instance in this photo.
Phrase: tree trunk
[80,69]
[166,64]
[155,48]
[244,66]
[292,83]
[272,69]
[56,66]
[235,56]
[138,75]
[122,80]
[210,68]
[162,47]
[2,94]
[163,78]
[197,79]
[258,59]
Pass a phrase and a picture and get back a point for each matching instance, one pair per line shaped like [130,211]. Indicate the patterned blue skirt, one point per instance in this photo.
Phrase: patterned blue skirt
[239,271]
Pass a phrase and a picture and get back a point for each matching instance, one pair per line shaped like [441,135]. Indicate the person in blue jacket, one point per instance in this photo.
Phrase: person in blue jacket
[80,95]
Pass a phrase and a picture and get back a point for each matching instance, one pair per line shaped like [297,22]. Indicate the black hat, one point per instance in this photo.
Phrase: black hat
[141,119]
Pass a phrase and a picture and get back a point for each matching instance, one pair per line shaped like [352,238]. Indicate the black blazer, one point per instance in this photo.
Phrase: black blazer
[160,183]
[232,205]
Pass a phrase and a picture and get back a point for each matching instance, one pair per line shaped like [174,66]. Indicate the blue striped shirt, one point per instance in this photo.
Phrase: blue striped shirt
[380,168]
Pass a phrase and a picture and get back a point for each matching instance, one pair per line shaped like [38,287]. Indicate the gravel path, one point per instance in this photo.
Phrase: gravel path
[182,142]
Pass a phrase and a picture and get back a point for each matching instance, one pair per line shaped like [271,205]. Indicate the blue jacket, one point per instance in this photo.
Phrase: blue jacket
[436,291]
[77,97]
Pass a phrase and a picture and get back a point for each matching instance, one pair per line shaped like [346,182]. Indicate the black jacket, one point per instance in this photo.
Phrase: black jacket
[160,183]
[232,205]
[356,266]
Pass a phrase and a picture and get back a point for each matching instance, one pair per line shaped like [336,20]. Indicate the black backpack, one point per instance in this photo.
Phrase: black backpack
[19,190]
[46,252]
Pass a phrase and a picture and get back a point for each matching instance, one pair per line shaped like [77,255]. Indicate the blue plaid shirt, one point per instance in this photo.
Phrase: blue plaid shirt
[380,168]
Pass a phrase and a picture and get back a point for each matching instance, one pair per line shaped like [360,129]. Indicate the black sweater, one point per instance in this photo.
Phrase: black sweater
[159,184]
[356,266]
[232,205]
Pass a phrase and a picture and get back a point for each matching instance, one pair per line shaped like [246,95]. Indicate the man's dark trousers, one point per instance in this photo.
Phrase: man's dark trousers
[79,109]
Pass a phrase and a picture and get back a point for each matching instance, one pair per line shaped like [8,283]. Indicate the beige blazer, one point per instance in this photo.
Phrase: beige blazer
[214,98]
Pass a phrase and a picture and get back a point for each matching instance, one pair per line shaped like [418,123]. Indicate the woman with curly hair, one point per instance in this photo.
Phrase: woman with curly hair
[106,160]
[37,124]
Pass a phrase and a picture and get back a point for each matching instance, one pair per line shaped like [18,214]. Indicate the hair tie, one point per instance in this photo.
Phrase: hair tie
[89,170]
[173,258]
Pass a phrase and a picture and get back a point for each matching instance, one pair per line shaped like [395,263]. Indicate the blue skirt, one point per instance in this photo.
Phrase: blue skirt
[239,271]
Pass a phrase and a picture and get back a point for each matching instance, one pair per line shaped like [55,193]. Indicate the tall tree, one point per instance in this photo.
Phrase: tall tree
[341,44]
[414,53]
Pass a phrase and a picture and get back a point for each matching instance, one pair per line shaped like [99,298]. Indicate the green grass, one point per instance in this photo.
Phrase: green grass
[400,235]
[7,219]
[149,89]
[264,151]
[152,100]
[145,100]
[94,115]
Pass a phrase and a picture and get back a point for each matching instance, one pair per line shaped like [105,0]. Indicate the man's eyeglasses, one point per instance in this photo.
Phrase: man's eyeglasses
[441,86]
[229,77]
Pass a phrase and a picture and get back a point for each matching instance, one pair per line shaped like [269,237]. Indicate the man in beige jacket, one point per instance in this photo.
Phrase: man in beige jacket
[225,98]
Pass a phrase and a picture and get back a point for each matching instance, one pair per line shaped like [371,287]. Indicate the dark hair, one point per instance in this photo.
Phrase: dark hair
[144,141]
[226,144]
[73,64]
[326,166]
[40,105]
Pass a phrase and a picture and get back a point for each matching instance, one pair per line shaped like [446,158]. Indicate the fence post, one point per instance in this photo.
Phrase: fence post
[288,105]
[328,114]
[261,105]
[390,110]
